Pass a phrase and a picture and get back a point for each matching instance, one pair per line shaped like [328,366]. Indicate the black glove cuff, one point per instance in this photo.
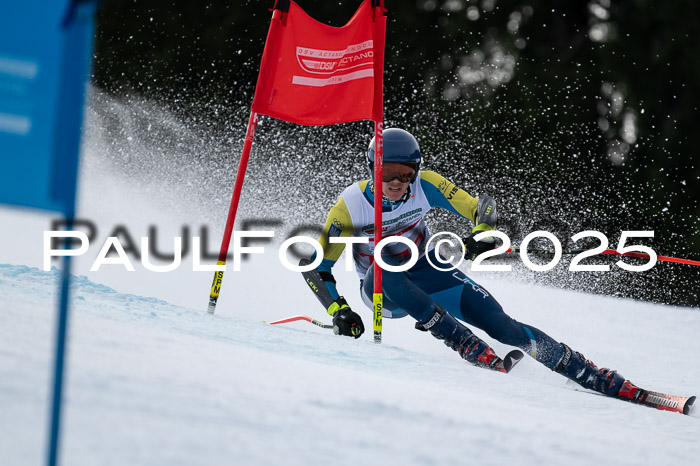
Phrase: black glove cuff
[327,277]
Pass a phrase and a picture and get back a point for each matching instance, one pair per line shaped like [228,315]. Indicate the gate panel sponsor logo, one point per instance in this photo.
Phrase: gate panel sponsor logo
[328,67]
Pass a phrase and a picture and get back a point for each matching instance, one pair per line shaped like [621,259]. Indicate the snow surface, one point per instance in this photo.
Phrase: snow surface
[153,380]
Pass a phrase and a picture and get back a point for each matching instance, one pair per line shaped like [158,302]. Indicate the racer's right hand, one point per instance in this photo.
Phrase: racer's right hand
[347,322]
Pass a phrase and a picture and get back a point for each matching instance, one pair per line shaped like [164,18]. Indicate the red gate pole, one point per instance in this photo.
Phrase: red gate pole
[233,207]
[377,298]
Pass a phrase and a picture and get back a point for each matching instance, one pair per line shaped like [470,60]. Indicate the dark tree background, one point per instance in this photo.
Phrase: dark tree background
[574,115]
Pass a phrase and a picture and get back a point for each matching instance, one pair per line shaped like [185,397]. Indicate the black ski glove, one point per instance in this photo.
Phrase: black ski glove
[473,248]
[347,322]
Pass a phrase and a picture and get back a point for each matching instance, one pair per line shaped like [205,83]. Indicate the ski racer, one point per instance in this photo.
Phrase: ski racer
[438,300]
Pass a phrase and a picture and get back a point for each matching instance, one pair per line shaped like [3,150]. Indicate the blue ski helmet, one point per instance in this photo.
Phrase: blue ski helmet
[398,146]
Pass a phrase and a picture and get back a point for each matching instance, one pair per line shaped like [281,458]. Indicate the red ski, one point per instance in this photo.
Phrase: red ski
[678,404]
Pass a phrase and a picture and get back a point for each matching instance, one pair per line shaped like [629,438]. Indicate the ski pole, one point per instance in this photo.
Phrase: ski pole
[306,318]
[640,255]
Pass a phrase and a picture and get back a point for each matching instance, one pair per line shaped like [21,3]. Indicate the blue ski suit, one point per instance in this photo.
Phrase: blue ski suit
[416,291]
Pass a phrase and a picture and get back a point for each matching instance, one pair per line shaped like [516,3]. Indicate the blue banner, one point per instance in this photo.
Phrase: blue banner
[45,51]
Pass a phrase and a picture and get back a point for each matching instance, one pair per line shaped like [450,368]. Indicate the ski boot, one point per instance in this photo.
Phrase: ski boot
[458,337]
[574,366]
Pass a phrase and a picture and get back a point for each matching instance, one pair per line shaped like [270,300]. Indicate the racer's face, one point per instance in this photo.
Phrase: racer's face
[396,179]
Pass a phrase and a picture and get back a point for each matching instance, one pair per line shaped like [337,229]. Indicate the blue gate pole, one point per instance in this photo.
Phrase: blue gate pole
[61,333]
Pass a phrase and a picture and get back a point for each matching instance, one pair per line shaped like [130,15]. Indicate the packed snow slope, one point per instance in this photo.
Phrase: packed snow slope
[152,383]
[152,379]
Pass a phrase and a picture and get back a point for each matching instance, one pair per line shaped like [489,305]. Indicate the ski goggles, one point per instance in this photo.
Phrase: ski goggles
[404,172]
